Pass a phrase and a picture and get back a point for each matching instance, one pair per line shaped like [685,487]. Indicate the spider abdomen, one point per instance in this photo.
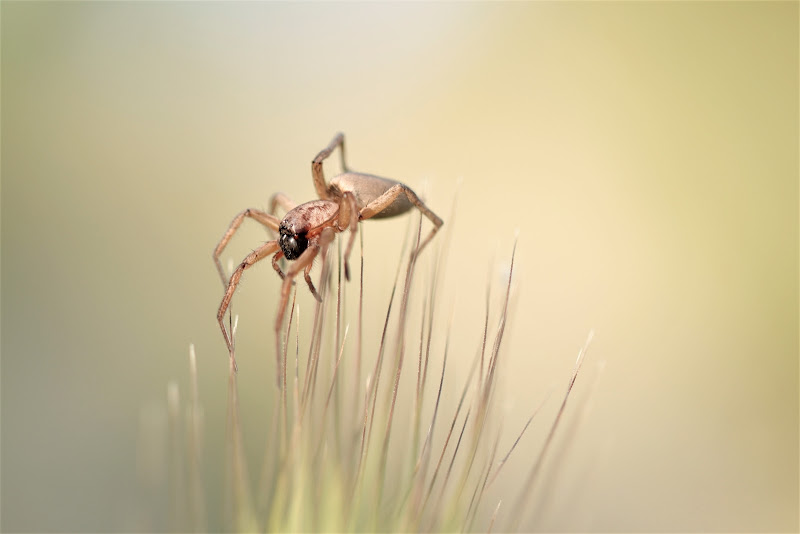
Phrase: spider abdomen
[366,188]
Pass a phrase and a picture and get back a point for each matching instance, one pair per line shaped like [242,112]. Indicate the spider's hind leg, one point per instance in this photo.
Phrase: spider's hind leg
[385,200]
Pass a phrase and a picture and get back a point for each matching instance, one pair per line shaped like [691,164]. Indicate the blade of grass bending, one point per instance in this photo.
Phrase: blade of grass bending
[485,322]
[523,496]
[480,487]
[450,432]
[486,391]
[330,390]
[372,389]
[420,469]
[450,467]
[516,441]
[437,268]
[320,309]
[278,502]
[359,326]
[316,333]
[241,512]
[418,396]
[484,401]
[568,440]
[296,396]
[369,405]
[284,434]
[494,516]
[353,496]
[412,261]
[273,452]
[501,328]
[176,478]
[197,505]
[439,265]
[337,404]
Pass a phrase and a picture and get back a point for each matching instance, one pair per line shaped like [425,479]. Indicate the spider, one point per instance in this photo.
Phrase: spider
[308,228]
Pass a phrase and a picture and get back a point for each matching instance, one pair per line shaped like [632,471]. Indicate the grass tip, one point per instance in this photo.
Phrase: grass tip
[173,396]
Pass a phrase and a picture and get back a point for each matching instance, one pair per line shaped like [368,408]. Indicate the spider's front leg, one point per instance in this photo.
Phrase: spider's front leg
[304,263]
[257,255]
[267,219]
[306,274]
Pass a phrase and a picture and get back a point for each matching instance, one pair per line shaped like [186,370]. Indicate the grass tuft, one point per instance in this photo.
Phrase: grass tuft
[340,455]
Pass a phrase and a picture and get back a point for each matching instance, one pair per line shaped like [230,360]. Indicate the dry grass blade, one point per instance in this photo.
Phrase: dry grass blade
[370,403]
[450,432]
[197,505]
[400,358]
[500,331]
[330,390]
[485,325]
[516,441]
[360,324]
[421,467]
[450,468]
[240,511]
[484,401]
[177,481]
[374,381]
[494,516]
[472,510]
[568,439]
[532,476]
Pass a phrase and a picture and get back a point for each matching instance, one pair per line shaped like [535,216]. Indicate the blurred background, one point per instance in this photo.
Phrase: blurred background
[646,152]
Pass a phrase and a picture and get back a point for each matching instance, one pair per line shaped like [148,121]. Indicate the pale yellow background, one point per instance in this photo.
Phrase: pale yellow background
[647,153]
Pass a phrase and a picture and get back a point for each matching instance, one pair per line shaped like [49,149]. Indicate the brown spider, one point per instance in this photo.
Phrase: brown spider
[308,228]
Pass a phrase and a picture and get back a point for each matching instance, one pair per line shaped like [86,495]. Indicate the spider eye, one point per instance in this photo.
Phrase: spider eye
[292,245]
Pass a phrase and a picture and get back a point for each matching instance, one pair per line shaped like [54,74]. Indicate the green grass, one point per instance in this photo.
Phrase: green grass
[341,454]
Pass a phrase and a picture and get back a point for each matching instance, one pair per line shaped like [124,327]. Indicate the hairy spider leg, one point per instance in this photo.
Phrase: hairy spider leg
[316,165]
[267,219]
[304,262]
[281,200]
[254,257]
[348,217]
[385,200]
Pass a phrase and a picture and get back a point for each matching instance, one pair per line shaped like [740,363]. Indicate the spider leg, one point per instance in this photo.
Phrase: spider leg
[282,201]
[316,165]
[303,263]
[305,259]
[278,255]
[348,217]
[307,276]
[268,220]
[259,254]
[385,200]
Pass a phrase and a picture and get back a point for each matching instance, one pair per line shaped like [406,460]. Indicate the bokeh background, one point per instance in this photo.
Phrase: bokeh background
[646,152]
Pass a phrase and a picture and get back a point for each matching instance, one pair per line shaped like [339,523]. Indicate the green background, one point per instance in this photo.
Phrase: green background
[647,153]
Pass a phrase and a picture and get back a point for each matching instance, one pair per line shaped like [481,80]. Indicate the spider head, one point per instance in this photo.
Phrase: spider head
[292,244]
